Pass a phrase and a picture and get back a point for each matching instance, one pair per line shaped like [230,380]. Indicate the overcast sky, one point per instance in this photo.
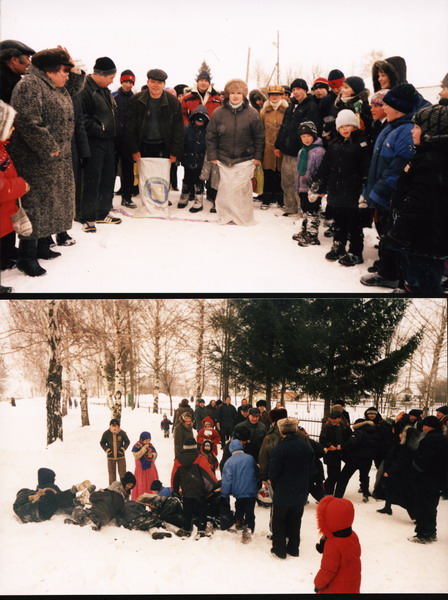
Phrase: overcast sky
[176,35]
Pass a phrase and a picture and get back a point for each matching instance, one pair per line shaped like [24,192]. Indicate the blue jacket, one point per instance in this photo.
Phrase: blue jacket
[240,473]
[392,150]
[289,470]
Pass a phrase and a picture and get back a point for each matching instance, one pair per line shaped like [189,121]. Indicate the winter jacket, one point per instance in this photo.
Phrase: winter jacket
[114,444]
[182,408]
[194,143]
[235,135]
[333,435]
[270,441]
[165,424]
[394,67]
[253,96]
[211,100]
[384,437]
[11,187]
[8,81]
[325,106]
[211,435]
[192,474]
[199,414]
[363,442]
[431,460]
[340,569]
[99,109]
[34,506]
[302,183]
[419,205]
[398,466]
[344,169]
[272,119]
[122,100]
[391,151]
[240,473]
[212,411]
[107,503]
[171,123]
[44,125]
[288,139]
[226,416]
[290,465]
[359,104]
[181,433]
[257,433]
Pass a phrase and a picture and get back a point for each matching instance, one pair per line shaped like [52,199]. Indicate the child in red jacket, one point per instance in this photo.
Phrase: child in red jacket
[340,568]
[11,188]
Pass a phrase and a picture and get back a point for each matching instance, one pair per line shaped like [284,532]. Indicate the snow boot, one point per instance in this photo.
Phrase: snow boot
[350,260]
[303,239]
[44,251]
[27,259]
[385,511]
[63,239]
[246,536]
[378,280]
[277,553]
[336,252]
[197,204]
[79,487]
[183,533]
[183,201]
[239,525]
[213,208]
[128,203]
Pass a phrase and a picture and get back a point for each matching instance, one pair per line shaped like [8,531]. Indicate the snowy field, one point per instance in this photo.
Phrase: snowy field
[54,558]
[189,253]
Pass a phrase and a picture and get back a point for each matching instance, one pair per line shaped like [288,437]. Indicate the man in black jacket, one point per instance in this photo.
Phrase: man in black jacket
[14,60]
[100,119]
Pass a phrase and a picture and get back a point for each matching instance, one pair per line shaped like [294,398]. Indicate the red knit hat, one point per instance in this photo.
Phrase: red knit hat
[127,75]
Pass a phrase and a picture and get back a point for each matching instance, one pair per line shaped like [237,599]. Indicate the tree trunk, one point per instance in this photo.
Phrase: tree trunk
[428,397]
[83,401]
[54,379]
[200,350]
[157,336]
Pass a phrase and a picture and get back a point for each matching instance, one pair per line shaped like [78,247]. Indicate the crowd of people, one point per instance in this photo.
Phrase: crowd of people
[377,158]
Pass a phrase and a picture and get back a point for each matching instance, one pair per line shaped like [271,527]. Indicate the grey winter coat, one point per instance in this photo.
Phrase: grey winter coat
[235,135]
[44,125]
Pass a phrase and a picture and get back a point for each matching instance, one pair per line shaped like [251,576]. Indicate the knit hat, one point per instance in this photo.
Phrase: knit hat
[444,81]
[204,75]
[255,412]
[320,82]
[356,83]
[415,412]
[300,83]
[371,410]
[431,421]
[145,435]
[308,127]
[276,89]
[16,45]
[104,66]
[156,485]
[235,86]
[402,97]
[7,114]
[180,88]
[50,59]
[335,78]
[288,425]
[277,413]
[261,403]
[190,444]
[114,422]
[128,478]
[347,117]
[127,75]
[443,409]
[433,120]
[157,75]
[378,97]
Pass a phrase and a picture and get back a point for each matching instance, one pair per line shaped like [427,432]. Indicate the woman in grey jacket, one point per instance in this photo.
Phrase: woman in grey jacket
[235,142]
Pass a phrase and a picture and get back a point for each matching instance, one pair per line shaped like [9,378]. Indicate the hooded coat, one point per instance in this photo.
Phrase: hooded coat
[363,442]
[340,569]
[192,474]
[11,187]
[240,473]
[44,125]
[394,67]
[272,119]
[253,95]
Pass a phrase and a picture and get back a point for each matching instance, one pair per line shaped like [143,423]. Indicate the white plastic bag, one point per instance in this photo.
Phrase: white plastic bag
[154,184]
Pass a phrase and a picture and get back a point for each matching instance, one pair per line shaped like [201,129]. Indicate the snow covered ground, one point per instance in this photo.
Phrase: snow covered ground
[58,559]
[190,253]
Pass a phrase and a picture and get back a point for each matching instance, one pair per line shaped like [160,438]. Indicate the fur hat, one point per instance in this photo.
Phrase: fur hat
[308,127]
[276,89]
[236,86]
[7,114]
[347,117]
[378,97]
[190,444]
[356,83]
[204,75]
[128,478]
[104,66]
[443,409]
[335,78]
[157,75]
[261,403]
[277,413]
[431,421]
[299,83]
[320,82]
[433,120]
[127,75]
[402,97]
[288,425]
[51,59]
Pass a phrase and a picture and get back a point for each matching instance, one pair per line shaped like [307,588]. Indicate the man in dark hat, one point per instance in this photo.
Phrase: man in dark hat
[153,121]
[257,432]
[122,97]
[14,60]
[100,118]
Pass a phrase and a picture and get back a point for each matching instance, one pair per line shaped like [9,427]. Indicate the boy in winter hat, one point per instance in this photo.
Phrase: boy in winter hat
[308,161]
[115,442]
[342,174]
[340,568]
[353,96]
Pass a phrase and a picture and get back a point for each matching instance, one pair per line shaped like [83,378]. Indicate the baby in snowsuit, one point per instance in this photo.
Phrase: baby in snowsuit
[340,569]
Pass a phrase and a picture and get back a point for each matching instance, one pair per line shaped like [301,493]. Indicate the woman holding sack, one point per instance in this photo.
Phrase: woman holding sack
[41,149]
[145,469]
[235,142]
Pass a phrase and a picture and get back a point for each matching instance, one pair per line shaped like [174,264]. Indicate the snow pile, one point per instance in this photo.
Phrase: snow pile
[54,558]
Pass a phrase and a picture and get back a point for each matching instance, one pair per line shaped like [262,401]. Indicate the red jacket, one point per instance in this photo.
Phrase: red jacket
[193,100]
[340,569]
[209,433]
[11,188]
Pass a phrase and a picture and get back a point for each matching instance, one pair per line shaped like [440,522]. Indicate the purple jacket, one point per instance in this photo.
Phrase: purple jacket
[302,183]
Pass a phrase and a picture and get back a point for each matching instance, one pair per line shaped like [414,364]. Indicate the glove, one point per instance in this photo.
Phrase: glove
[320,545]
[362,202]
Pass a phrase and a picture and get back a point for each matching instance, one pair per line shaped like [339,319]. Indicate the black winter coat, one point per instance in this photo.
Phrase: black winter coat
[171,123]
[226,414]
[8,81]
[99,110]
[105,505]
[288,139]
[333,435]
[290,466]
[431,460]
[401,475]
[257,433]
[420,202]
[122,100]
[33,506]
[344,169]
[363,442]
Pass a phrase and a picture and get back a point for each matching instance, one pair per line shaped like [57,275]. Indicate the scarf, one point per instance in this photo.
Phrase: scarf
[235,106]
[302,164]
[145,463]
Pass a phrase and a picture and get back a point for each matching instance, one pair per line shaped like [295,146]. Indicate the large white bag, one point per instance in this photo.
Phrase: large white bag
[234,201]
[154,184]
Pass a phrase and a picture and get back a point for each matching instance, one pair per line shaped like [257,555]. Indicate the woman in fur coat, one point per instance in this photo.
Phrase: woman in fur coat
[41,150]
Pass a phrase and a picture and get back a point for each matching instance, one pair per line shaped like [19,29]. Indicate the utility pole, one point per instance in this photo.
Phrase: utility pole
[248,62]
[278,58]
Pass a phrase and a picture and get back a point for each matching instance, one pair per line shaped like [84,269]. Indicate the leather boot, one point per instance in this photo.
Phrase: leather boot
[27,259]
[44,251]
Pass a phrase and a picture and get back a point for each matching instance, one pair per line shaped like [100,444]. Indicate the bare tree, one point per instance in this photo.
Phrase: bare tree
[54,380]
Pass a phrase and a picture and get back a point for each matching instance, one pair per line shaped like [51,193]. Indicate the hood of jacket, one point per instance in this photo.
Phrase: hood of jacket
[282,106]
[187,457]
[253,95]
[395,69]
[45,477]
[334,514]
[361,423]
[199,110]
[235,446]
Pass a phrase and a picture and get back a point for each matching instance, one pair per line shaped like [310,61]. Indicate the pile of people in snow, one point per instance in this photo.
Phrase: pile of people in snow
[276,467]
[378,158]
